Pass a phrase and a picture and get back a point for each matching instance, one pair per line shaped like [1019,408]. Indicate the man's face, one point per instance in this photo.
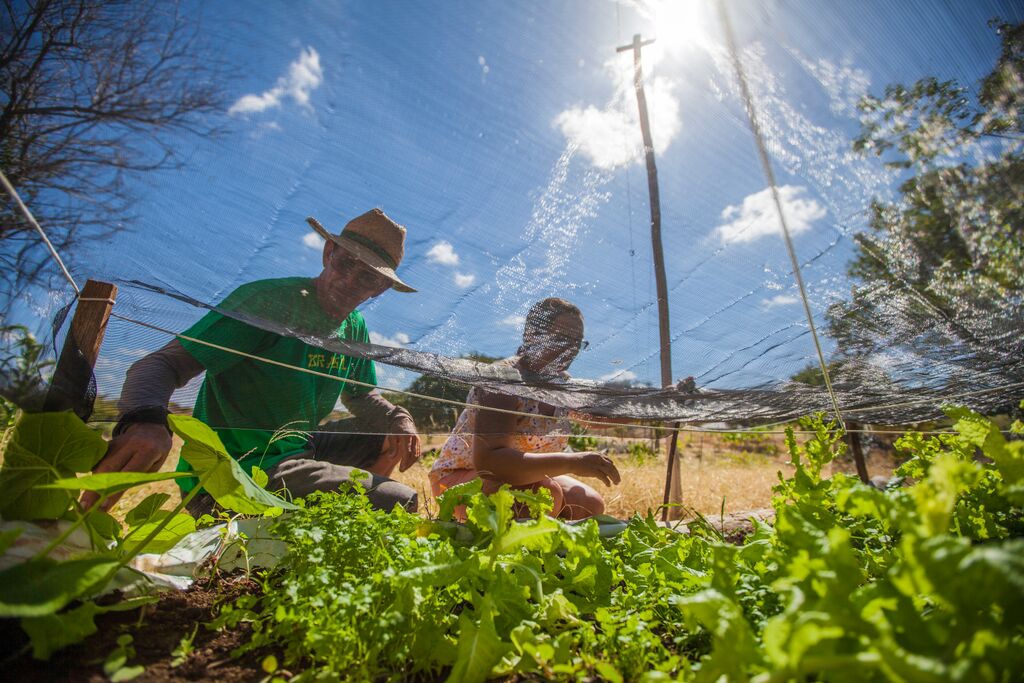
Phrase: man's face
[346,282]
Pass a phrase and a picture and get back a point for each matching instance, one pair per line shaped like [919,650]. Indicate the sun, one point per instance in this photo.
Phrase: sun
[681,24]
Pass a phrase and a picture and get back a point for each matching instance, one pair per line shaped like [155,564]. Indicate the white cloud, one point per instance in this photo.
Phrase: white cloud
[844,83]
[513,320]
[313,241]
[400,339]
[618,376]
[443,253]
[303,77]
[610,137]
[462,280]
[756,217]
[389,377]
[780,300]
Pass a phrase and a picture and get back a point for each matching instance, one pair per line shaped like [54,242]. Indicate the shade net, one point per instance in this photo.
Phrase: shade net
[506,138]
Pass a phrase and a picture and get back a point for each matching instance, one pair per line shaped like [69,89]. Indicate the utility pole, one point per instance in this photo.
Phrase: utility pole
[673,488]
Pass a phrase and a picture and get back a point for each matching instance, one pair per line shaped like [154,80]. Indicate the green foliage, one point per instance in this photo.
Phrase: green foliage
[851,584]
[43,448]
[222,476]
[580,442]
[52,598]
[915,583]
[23,371]
[752,441]
[640,453]
[947,259]
[116,665]
[42,586]
[52,632]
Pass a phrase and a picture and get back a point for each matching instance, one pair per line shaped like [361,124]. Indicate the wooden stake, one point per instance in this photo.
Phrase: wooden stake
[853,437]
[673,487]
[88,326]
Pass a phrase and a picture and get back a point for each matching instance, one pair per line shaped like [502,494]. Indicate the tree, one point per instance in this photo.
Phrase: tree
[433,415]
[92,91]
[940,273]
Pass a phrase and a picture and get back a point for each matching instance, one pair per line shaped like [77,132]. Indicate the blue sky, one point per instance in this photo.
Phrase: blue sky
[504,136]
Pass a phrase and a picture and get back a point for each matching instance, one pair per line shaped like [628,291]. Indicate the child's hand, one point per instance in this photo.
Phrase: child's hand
[598,465]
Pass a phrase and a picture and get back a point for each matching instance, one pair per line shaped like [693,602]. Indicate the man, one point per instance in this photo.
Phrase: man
[250,402]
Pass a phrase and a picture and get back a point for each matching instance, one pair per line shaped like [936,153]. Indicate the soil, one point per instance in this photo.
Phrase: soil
[163,625]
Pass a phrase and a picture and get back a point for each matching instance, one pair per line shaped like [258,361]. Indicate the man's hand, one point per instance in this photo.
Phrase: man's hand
[408,447]
[142,447]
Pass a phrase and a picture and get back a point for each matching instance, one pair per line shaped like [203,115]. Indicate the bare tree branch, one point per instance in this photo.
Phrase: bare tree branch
[91,91]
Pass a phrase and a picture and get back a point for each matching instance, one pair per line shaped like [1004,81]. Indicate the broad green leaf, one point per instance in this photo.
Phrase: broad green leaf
[539,502]
[535,535]
[734,645]
[56,631]
[45,447]
[983,433]
[7,539]
[223,477]
[436,574]
[492,513]
[456,496]
[127,673]
[260,477]
[20,497]
[480,649]
[179,526]
[113,482]
[608,672]
[40,587]
[103,525]
[146,509]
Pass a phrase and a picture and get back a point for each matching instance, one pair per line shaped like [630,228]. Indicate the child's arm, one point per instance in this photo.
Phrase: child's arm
[496,459]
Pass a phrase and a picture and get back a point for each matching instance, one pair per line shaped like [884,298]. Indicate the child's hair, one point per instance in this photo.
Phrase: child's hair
[543,313]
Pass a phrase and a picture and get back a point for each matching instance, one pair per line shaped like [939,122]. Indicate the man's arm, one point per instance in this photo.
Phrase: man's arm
[151,380]
[385,417]
[142,439]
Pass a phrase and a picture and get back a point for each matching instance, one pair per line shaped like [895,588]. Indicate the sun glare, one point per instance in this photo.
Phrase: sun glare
[681,24]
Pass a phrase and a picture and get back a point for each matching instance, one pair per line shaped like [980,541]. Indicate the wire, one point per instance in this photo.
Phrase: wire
[766,166]
[578,418]
[32,221]
[345,380]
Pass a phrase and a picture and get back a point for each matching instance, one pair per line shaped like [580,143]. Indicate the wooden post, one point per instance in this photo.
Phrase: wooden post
[673,487]
[853,437]
[88,326]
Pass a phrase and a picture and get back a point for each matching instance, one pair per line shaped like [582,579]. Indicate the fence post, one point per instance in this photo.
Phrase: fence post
[85,335]
[853,436]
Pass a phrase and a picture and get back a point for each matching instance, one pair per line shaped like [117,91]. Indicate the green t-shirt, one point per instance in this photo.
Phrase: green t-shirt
[247,400]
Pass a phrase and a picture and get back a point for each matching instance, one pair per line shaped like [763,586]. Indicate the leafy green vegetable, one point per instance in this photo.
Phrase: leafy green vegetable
[223,477]
[109,483]
[40,587]
[914,583]
[177,526]
[55,631]
[145,510]
[45,447]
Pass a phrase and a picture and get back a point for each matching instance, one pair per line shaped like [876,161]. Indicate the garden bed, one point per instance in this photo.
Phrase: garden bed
[158,632]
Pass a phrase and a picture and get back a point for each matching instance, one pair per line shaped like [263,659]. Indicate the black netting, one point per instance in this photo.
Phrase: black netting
[506,139]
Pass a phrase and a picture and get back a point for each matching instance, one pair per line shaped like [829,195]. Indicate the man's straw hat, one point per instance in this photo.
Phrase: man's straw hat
[374,239]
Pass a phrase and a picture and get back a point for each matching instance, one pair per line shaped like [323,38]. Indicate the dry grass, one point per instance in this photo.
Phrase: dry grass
[716,475]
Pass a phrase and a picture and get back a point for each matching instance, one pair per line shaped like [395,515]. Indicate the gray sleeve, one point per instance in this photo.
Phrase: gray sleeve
[379,414]
[151,380]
